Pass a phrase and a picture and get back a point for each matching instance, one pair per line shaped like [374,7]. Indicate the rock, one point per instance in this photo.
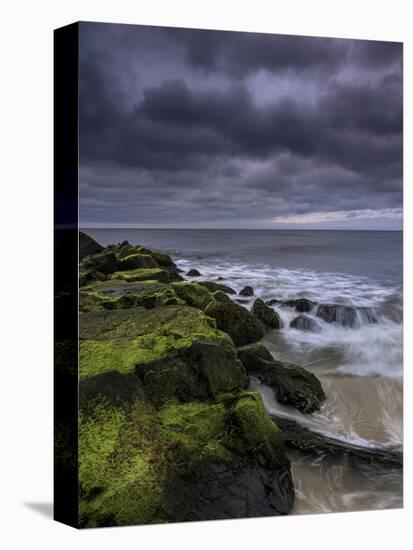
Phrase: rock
[266,315]
[193,294]
[237,321]
[201,370]
[163,260]
[347,316]
[120,339]
[292,385]
[103,262]
[213,287]
[140,465]
[125,249]
[246,291]
[154,274]
[193,273]
[303,322]
[302,305]
[252,480]
[308,442]
[87,246]
[137,261]
[273,302]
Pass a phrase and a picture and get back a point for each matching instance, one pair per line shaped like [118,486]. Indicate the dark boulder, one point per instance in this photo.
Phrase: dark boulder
[312,443]
[292,385]
[87,246]
[253,480]
[193,273]
[103,262]
[213,287]
[136,261]
[273,302]
[347,316]
[163,260]
[247,291]
[302,305]
[266,315]
[303,322]
[235,320]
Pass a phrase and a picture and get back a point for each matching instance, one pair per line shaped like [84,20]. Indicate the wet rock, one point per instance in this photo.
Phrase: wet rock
[302,305]
[193,273]
[247,291]
[273,302]
[266,315]
[213,287]
[104,262]
[292,385]
[136,261]
[87,246]
[347,316]
[303,322]
[235,320]
[302,439]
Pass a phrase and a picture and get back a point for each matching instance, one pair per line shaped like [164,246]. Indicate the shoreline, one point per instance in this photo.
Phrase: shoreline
[135,279]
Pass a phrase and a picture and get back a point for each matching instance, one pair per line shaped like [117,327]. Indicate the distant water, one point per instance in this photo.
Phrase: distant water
[360,368]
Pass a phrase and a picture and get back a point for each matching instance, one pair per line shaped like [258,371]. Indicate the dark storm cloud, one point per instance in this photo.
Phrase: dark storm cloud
[202,127]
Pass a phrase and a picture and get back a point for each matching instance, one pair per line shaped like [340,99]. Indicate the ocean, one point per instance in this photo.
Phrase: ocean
[360,367]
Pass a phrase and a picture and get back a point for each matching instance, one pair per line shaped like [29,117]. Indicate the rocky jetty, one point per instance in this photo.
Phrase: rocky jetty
[168,430]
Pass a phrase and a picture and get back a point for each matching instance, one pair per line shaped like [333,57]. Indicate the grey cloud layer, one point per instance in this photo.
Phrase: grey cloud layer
[233,129]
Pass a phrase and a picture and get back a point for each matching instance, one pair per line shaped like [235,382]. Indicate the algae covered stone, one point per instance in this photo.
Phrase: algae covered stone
[137,261]
[238,322]
[266,314]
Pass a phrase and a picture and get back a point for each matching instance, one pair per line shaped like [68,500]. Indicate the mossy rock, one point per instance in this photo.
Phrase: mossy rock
[104,262]
[138,465]
[125,249]
[163,260]
[266,315]
[193,294]
[121,339]
[292,385]
[238,322]
[154,274]
[137,261]
[121,294]
[213,287]
[87,246]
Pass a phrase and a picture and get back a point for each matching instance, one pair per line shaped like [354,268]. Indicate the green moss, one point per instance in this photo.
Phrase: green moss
[193,294]
[195,431]
[252,423]
[120,456]
[121,339]
[141,275]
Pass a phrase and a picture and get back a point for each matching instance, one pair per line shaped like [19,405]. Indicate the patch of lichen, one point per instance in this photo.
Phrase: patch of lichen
[120,465]
[121,339]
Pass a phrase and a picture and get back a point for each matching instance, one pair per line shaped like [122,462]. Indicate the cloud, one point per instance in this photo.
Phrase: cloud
[235,128]
[341,215]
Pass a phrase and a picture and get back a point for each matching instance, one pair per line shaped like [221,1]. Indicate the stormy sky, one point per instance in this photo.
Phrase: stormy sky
[193,128]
